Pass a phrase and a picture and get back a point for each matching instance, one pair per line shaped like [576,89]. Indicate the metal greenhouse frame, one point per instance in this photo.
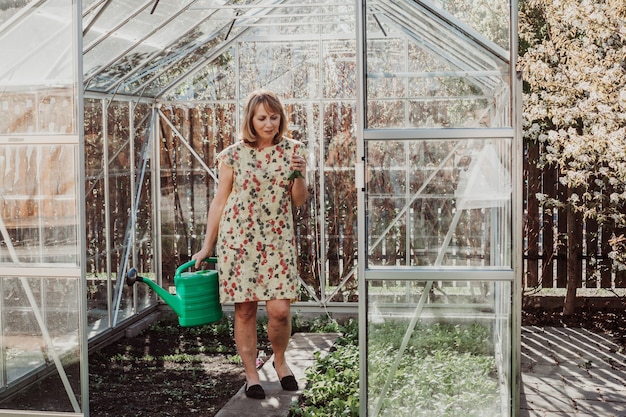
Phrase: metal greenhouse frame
[113,113]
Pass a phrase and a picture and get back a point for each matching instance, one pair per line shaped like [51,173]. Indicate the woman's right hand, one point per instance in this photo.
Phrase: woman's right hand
[201,256]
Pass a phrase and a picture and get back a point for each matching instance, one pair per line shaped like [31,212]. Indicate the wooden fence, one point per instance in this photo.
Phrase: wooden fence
[547,259]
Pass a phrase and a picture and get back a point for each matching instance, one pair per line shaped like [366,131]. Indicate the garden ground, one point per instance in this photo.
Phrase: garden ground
[172,371]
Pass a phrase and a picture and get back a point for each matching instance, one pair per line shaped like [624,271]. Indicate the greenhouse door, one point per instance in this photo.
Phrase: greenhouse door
[439,223]
[43,346]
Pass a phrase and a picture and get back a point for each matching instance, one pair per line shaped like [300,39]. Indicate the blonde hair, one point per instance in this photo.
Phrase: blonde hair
[273,104]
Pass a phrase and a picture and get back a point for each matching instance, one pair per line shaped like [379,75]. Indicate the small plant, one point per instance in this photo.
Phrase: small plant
[325,324]
[333,382]
[182,358]
[236,359]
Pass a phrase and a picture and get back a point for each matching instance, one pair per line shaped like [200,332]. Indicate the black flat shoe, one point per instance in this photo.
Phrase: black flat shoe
[255,391]
[288,382]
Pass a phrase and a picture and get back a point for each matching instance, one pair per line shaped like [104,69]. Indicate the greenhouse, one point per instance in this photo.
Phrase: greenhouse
[112,115]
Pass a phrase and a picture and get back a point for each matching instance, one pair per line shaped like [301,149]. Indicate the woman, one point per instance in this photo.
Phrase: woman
[251,220]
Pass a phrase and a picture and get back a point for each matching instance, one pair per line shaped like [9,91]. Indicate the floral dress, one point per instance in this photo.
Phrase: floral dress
[256,246]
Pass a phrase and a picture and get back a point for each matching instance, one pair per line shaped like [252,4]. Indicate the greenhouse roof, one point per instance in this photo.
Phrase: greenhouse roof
[147,48]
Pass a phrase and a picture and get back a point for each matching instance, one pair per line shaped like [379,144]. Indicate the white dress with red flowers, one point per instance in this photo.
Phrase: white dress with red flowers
[256,246]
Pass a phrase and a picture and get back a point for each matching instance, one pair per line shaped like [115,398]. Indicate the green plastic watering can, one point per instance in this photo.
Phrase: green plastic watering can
[196,301]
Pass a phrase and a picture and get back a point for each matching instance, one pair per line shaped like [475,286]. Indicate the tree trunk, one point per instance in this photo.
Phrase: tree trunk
[573,256]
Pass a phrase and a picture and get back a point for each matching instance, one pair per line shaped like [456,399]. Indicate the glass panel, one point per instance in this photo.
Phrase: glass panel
[164,56]
[304,125]
[97,276]
[289,69]
[40,318]
[216,80]
[131,22]
[36,70]
[492,18]
[39,210]
[297,62]
[447,357]
[334,21]
[186,187]
[303,19]
[439,202]
[424,73]
[339,69]
[90,5]
[39,219]
[38,47]
[107,259]
[169,66]
[119,202]
[9,9]
[143,247]
[340,199]
[37,111]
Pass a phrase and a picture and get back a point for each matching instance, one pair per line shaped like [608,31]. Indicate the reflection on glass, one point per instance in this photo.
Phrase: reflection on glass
[43,111]
[186,187]
[261,63]
[439,203]
[491,18]
[38,212]
[426,69]
[341,199]
[339,69]
[37,49]
[446,357]
[31,341]
[112,177]
[313,19]
[143,245]
[215,81]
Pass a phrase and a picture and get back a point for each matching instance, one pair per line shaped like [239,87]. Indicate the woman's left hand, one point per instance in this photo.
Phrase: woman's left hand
[298,163]
[297,180]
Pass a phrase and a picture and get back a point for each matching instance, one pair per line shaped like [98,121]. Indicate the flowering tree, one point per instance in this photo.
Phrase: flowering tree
[573,62]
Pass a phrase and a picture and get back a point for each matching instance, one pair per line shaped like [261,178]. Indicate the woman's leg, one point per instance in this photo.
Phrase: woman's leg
[245,339]
[279,332]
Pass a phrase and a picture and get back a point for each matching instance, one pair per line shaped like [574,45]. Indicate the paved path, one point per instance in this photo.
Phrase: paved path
[277,402]
[571,372]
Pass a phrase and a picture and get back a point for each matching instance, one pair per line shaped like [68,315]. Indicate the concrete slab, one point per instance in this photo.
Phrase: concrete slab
[571,372]
[300,355]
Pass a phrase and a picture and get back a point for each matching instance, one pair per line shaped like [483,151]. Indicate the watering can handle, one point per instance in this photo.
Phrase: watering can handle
[191,263]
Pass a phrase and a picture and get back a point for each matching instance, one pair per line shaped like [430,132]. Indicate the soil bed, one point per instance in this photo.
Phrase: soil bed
[179,373]
[167,370]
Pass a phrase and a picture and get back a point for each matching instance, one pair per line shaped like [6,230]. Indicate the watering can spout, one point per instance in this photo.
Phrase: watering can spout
[173,301]
[197,294]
